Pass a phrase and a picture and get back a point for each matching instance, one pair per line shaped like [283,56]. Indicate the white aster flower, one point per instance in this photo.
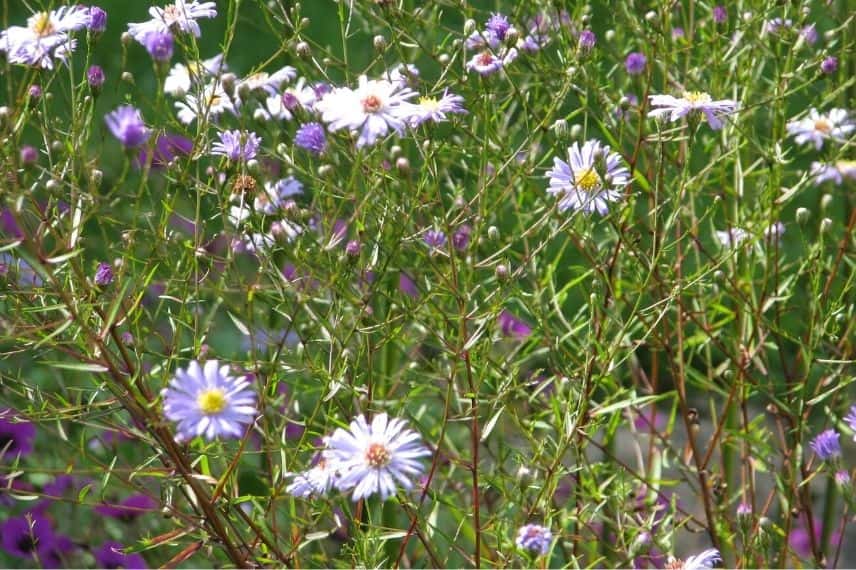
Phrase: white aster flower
[315,481]
[372,109]
[432,109]
[488,62]
[270,83]
[45,38]
[372,458]
[182,77]
[211,102]
[277,194]
[817,128]
[692,102]
[181,15]
[592,177]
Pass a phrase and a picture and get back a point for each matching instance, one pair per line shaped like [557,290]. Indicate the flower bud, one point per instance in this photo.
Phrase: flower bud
[52,185]
[35,91]
[469,26]
[29,155]
[325,170]
[576,131]
[829,65]
[803,214]
[228,81]
[127,77]
[825,225]
[609,35]
[493,233]
[651,16]
[402,165]
[560,128]
[379,43]
[353,248]
[303,49]
[443,59]
[103,274]
[126,38]
[95,177]
[825,202]
[502,272]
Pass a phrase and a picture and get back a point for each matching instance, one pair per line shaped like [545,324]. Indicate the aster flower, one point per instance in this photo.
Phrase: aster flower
[24,537]
[707,559]
[487,62]
[744,510]
[850,419]
[776,25]
[586,40]
[403,74]
[97,22]
[167,147]
[129,509]
[182,78]
[499,25]
[534,538]
[277,195]
[179,16]
[159,44]
[774,231]
[809,34]
[209,401]
[592,177]
[829,64]
[407,286]
[510,325]
[371,458]
[461,237]
[269,83]
[720,14]
[431,109]
[19,272]
[16,434]
[826,445]
[237,145]
[835,172]
[374,108]
[103,274]
[127,125]
[311,137]
[211,102]
[315,481]
[635,63]
[434,239]
[95,77]
[45,38]
[692,102]
[817,128]
[732,237]
[111,555]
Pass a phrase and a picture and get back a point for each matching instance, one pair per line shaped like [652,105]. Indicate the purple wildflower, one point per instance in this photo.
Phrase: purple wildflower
[103,274]
[433,109]
[592,177]
[16,434]
[237,145]
[692,102]
[128,509]
[510,325]
[311,137]
[97,20]
[677,33]
[95,77]
[29,155]
[167,147]
[635,63]
[434,239]
[25,536]
[851,419]
[127,125]
[535,538]
[461,237]
[498,25]
[842,477]
[111,555]
[829,64]
[809,34]
[407,286]
[159,45]
[720,14]
[352,248]
[35,91]
[488,62]
[826,445]
[587,40]
[744,510]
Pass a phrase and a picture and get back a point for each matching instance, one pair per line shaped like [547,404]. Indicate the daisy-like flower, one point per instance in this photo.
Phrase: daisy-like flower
[209,401]
[277,195]
[315,481]
[404,74]
[45,37]
[182,77]
[211,102]
[373,108]
[270,83]
[434,239]
[592,177]
[835,172]
[433,109]
[487,62]
[817,127]
[127,125]
[707,559]
[692,102]
[371,458]
[732,237]
[826,445]
[237,145]
[180,16]
[534,538]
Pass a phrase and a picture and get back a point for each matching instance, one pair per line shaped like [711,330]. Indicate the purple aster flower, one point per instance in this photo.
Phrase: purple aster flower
[434,239]
[407,286]
[510,325]
[432,109]
[128,509]
[29,155]
[237,145]
[829,64]
[315,481]
[720,14]
[95,77]
[97,20]
[776,24]
[372,458]
[677,33]
[488,62]
[809,34]
[179,16]
[55,554]
[835,172]
[35,91]
[744,510]
[587,40]
[111,555]
[851,419]
[167,147]
[16,434]
[534,538]
[25,536]
[817,128]
[159,45]
[826,445]
[353,247]
[46,37]
[461,237]
[103,274]
[311,137]
[692,102]
[498,25]
[592,177]
[209,401]
[127,125]
[842,477]
[635,63]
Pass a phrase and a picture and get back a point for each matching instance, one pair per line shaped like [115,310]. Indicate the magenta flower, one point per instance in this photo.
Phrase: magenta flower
[511,326]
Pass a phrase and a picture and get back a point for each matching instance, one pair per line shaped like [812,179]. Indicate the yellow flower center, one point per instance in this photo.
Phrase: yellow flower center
[212,401]
[587,180]
[823,126]
[41,25]
[372,104]
[429,103]
[485,58]
[696,97]
[377,455]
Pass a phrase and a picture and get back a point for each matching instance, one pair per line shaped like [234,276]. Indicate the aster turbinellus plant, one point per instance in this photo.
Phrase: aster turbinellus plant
[311,137]
[817,127]
[126,124]
[534,538]
[436,110]
[237,146]
[592,177]
[208,400]
[692,103]
[374,458]
[316,481]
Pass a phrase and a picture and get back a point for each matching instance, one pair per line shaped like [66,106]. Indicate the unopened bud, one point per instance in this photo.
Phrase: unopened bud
[803,214]
[443,59]
[52,185]
[609,35]
[353,248]
[402,165]
[228,81]
[825,225]
[493,233]
[560,128]
[95,177]
[304,23]
[303,49]
[127,77]
[576,131]
[126,38]
[651,16]
[325,170]
[469,26]
[502,272]
[825,201]
[379,43]
[395,151]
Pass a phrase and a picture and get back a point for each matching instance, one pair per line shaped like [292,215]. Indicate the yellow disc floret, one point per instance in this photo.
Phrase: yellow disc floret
[377,455]
[212,401]
[697,97]
[41,25]
[587,180]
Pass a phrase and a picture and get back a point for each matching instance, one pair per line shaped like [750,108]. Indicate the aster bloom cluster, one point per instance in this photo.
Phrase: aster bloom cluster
[47,37]
[156,34]
[366,459]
